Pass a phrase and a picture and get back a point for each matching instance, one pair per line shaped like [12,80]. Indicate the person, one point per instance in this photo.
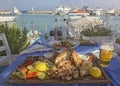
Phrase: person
[57,31]
[56,25]
[65,30]
[70,29]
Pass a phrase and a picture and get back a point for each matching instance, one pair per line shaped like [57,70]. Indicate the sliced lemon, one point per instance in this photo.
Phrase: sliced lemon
[40,66]
[30,67]
[95,72]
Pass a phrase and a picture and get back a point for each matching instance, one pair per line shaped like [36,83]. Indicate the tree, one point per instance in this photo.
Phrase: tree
[16,37]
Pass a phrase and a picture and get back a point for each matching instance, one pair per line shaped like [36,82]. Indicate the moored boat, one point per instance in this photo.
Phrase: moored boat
[16,11]
[6,18]
[76,14]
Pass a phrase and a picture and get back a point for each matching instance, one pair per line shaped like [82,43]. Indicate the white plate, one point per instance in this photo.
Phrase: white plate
[51,43]
[75,44]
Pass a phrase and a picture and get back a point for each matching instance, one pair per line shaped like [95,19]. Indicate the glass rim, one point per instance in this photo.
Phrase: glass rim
[107,41]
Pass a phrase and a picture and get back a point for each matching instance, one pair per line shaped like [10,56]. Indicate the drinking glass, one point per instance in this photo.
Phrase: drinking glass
[106,52]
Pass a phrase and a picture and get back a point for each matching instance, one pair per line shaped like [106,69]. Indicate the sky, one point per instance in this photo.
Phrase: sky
[52,4]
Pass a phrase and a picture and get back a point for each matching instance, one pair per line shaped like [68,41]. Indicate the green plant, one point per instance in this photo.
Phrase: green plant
[97,31]
[46,36]
[118,40]
[16,37]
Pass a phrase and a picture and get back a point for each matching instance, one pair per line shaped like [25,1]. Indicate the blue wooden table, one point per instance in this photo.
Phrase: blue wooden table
[113,71]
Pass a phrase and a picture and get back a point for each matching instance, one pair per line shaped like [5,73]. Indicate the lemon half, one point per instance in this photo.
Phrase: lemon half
[40,66]
[95,72]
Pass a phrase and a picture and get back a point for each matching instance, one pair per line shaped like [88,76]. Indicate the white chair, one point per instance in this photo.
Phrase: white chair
[5,47]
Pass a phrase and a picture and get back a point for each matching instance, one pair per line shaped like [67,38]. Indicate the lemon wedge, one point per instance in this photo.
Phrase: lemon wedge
[95,72]
[40,66]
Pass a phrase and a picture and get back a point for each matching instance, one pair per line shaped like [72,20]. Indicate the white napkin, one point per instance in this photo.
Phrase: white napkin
[35,48]
[96,53]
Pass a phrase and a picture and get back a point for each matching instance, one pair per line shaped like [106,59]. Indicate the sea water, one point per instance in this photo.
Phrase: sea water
[40,22]
[112,21]
[44,22]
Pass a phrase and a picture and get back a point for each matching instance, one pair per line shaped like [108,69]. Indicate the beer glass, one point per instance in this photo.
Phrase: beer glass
[106,52]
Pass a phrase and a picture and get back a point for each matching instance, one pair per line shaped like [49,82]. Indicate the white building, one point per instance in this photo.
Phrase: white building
[110,12]
[62,10]
[16,11]
[98,11]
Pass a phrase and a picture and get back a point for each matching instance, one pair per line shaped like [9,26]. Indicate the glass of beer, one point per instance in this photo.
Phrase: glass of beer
[106,52]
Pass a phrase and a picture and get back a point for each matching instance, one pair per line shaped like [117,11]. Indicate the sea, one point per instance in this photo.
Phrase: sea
[41,22]
[44,22]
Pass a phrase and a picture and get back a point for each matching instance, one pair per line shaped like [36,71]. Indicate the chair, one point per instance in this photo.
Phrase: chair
[5,47]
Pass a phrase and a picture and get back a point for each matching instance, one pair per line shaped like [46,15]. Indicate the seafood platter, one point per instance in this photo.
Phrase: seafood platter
[66,67]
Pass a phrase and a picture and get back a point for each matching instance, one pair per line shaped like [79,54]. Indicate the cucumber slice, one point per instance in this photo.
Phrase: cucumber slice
[41,75]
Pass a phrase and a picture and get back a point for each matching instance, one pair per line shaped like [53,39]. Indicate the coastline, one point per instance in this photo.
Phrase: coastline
[40,12]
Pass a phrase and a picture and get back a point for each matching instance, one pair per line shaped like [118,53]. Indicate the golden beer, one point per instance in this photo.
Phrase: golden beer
[106,54]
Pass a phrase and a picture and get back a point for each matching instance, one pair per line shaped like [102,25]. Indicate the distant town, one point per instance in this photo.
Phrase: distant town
[98,11]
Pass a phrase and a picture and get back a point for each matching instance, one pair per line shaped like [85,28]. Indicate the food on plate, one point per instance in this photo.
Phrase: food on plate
[70,65]
[36,69]
[67,65]
[95,72]
[23,70]
[65,44]
[25,75]
[41,75]
[61,56]
[25,63]
[31,70]
[31,75]
[30,67]
[84,68]
[40,66]
[19,75]
[76,58]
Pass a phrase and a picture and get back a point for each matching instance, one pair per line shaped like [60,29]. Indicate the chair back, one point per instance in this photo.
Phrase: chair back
[5,47]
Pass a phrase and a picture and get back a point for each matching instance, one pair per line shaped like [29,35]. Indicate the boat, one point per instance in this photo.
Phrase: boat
[110,12]
[7,18]
[15,11]
[62,10]
[77,14]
